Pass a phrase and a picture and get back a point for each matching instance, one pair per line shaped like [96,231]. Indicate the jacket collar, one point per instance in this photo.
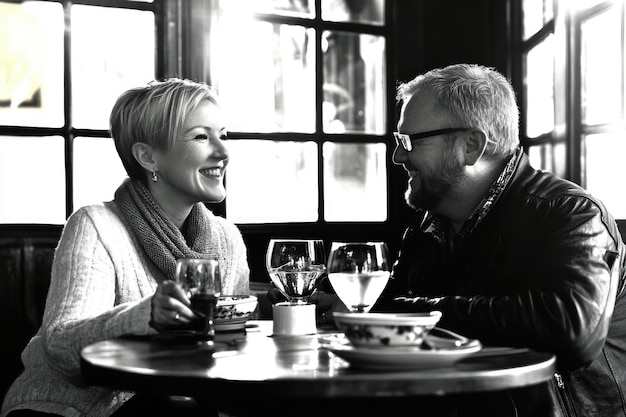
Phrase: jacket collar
[439,227]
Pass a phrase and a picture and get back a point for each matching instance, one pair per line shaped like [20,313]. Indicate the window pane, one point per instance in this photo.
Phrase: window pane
[32,180]
[364,11]
[585,4]
[559,152]
[540,157]
[31,64]
[354,83]
[602,61]
[112,50]
[549,157]
[98,171]
[603,166]
[536,14]
[355,182]
[265,74]
[281,7]
[270,182]
[540,88]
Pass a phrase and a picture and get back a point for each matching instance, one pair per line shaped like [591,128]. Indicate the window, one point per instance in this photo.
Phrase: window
[306,87]
[539,103]
[575,74]
[603,122]
[305,84]
[55,151]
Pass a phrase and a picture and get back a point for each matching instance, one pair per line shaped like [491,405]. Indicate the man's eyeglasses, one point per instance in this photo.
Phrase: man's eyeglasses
[406,141]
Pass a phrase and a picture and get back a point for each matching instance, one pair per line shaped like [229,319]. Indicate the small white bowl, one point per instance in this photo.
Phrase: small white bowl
[381,330]
[233,311]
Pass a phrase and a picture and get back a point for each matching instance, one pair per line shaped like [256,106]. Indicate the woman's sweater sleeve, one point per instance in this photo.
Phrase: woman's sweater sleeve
[90,297]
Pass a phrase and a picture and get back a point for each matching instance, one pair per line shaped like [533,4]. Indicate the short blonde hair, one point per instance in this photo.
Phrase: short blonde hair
[154,114]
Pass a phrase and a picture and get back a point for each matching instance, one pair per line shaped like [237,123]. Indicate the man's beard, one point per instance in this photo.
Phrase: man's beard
[435,187]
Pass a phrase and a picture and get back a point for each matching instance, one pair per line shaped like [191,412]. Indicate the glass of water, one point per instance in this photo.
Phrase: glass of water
[358,272]
[295,266]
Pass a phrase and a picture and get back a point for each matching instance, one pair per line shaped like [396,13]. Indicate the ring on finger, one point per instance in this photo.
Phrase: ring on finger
[177,317]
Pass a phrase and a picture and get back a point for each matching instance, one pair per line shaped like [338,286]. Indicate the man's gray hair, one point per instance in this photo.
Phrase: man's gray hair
[474,96]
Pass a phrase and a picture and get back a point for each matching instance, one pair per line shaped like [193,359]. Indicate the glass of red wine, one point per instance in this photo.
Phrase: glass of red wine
[201,281]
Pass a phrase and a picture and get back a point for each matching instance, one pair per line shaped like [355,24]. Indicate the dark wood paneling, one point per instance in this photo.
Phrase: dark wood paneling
[25,264]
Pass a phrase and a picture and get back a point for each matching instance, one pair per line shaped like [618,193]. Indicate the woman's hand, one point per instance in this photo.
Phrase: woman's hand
[170,307]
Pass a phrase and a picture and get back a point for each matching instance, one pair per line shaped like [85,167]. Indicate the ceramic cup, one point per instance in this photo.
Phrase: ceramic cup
[293,319]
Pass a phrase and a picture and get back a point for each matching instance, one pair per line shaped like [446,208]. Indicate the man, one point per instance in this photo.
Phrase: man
[510,255]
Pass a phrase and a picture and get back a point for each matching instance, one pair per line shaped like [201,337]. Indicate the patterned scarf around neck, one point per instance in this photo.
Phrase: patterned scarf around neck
[439,227]
[161,239]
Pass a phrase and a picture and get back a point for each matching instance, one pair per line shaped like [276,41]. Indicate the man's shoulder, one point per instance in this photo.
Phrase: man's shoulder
[547,195]
[546,185]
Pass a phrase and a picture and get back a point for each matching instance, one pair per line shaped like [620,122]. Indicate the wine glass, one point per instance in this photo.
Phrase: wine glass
[358,272]
[295,267]
[201,281]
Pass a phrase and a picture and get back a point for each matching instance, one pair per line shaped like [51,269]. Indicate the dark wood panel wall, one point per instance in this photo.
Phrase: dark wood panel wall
[26,255]
[430,34]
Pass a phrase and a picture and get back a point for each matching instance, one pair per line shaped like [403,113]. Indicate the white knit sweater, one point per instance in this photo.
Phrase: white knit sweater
[100,288]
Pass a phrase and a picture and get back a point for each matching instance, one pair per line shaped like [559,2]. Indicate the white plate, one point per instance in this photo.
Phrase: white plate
[445,352]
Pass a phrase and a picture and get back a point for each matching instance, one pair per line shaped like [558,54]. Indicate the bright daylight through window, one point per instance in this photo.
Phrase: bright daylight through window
[282,174]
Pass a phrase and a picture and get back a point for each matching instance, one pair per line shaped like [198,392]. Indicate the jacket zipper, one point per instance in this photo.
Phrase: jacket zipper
[559,380]
[563,394]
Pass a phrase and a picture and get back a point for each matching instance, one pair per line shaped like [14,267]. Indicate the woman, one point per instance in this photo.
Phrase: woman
[115,261]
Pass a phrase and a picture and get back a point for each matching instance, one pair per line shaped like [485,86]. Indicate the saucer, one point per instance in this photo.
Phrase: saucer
[229,325]
[445,352]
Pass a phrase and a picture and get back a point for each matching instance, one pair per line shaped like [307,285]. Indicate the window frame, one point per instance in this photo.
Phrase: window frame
[181,51]
[68,132]
[569,130]
[257,236]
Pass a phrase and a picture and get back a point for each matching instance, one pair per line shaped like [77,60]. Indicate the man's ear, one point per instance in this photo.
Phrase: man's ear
[475,145]
[144,155]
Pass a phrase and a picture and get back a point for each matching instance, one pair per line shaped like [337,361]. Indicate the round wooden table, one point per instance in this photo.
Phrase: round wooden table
[257,366]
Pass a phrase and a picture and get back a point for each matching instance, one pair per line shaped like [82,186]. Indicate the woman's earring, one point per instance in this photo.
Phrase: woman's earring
[154,176]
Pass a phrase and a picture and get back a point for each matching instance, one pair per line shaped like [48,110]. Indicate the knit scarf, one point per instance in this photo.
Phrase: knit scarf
[162,241]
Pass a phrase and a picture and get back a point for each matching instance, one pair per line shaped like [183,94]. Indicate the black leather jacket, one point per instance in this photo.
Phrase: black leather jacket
[544,269]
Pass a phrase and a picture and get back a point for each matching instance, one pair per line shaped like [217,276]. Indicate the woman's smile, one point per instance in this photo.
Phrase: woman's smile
[212,172]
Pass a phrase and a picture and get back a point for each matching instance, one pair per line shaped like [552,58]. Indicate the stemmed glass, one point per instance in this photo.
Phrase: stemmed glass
[295,267]
[358,272]
[200,279]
